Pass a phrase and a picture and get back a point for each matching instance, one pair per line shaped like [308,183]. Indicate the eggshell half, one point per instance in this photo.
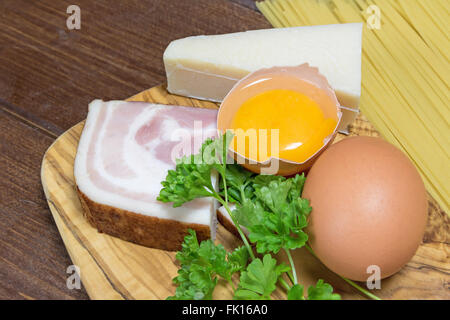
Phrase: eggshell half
[369,208]
[304,79]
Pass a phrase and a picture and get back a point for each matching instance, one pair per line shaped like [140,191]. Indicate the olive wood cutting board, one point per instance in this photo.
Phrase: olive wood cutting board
[111,268]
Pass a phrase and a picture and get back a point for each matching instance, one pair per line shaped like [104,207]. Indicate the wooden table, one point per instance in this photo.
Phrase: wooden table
[48,75]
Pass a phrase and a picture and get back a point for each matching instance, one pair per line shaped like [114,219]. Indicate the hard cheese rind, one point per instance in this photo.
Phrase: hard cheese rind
[207,67]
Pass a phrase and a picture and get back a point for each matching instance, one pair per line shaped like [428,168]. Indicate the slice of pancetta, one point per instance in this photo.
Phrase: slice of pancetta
[124,153]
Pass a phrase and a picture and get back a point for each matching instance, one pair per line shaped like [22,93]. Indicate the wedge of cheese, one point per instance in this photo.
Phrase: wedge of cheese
[207,67]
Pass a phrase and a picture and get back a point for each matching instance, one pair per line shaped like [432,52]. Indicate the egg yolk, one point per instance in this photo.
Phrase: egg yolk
[280,123]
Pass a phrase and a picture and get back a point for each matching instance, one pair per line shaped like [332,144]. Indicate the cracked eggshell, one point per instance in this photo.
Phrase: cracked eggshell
[304,79]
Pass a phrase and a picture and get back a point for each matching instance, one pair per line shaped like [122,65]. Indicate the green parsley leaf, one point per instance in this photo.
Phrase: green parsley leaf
[297,186]
[213,257]
[189,248]
[249,213]
[201,264]
[194,283]
[322,291]
[239,183]
[191,178]
[279,219]
[260,278]
[264,180]
[296,292]
[238,259]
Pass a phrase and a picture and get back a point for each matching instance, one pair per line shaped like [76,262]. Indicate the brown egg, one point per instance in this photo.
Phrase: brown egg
[369,207]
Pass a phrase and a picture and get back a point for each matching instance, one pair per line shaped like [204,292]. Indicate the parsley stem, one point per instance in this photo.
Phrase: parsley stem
[224,165]
[291,261]
[284,284]
[231,284]
[366,292]
[238,227]
[243,197]
[225,189]
[289,273]
[350,282]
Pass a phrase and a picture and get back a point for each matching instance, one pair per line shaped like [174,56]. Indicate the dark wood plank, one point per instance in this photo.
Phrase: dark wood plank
[33,260]
[49,74]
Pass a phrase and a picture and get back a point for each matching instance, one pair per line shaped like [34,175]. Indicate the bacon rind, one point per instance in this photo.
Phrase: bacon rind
[111,202]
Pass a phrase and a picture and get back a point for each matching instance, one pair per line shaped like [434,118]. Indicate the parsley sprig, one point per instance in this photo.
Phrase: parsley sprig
[202,265]
[191,178]
[269,206]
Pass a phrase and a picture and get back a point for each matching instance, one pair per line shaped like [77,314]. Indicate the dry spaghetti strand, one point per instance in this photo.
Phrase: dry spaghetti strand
[406,73]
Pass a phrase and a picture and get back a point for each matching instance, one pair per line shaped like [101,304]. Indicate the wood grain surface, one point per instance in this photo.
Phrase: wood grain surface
[115,269]
[48,75]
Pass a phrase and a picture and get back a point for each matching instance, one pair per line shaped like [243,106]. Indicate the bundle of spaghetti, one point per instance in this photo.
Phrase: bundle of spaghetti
[405,73]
